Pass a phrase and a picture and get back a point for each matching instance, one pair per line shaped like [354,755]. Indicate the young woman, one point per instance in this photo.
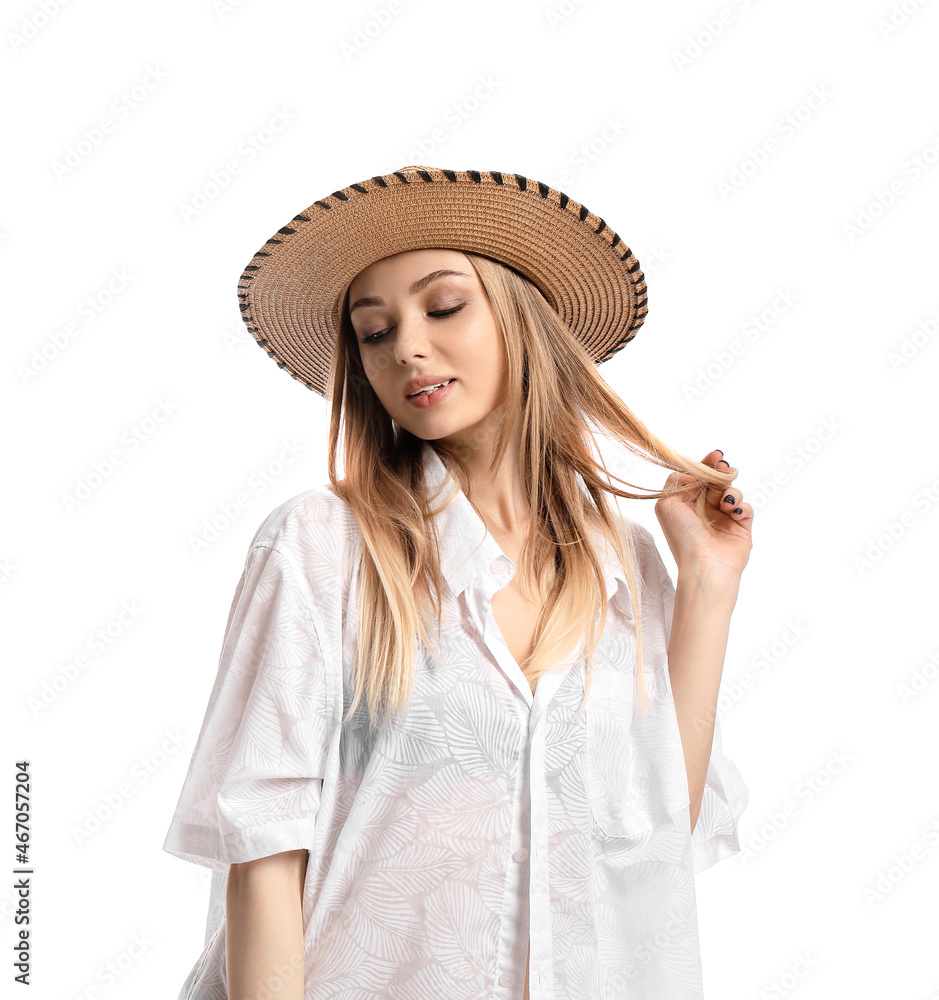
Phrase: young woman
[462,742]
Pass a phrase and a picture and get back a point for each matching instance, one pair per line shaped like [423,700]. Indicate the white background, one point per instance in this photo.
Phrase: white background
[120,308]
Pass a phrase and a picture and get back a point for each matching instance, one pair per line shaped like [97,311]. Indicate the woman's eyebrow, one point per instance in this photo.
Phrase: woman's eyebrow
[418,286]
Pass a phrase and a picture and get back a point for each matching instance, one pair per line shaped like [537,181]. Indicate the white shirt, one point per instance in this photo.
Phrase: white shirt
[487,818]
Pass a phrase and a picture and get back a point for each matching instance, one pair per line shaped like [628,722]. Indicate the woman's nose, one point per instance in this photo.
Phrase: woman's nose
[411,339]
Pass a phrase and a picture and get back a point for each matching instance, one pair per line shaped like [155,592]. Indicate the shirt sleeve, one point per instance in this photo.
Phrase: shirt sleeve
[715,835]
[255,779]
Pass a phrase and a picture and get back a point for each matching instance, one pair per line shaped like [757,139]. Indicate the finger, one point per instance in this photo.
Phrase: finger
[717,495]
[680,478]
[722,465]
[715,460]
[683,479]
[732,499]
[742,512]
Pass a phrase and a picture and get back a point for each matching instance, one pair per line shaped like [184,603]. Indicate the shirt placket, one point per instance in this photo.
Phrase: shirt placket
[541,979]
[497,570]
[541,975]
[513,938]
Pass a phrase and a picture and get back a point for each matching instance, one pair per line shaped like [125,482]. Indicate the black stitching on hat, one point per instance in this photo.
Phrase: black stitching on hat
[639,305]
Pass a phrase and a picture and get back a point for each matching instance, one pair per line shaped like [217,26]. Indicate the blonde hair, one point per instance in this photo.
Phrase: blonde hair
[552,388]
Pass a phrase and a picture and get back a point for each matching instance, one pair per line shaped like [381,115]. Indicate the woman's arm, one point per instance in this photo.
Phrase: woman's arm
[700,624]
[711,548]
[264,937]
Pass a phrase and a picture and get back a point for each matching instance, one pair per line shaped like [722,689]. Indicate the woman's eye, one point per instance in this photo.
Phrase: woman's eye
[445,312]
[373,338]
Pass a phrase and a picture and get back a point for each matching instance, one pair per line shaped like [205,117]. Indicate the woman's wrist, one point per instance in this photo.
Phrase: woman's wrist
[709,582]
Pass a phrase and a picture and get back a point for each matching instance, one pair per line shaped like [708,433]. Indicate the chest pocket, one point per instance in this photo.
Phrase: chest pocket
[635,767]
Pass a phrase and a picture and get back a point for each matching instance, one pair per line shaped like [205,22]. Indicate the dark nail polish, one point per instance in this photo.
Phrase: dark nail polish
[738,510]
[718,449]
[730,498]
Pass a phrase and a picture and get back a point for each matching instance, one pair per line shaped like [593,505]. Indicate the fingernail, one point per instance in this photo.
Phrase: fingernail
[738,510]
[730,498]
[718,449]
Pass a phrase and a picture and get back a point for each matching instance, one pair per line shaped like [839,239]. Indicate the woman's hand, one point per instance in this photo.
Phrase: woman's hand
[713,545]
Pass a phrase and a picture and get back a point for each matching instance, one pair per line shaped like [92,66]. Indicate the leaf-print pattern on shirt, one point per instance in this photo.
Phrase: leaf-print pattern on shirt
[487,818]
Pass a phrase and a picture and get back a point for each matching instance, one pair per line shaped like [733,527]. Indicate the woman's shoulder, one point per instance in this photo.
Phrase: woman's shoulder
[646,550]
[316,530]
[640,536]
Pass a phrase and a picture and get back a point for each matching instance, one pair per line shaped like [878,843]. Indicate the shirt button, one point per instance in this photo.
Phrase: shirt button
[506,979]
[520,855]
[500,565]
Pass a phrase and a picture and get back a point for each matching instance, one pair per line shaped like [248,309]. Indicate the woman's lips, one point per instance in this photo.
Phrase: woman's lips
[426,399]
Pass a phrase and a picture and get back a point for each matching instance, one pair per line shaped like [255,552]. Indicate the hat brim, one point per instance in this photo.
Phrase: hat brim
[291,292]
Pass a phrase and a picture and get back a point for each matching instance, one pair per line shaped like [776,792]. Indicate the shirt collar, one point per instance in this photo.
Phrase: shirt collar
[467,548]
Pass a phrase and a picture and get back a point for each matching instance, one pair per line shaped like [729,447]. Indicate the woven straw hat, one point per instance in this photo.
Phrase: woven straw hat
[292,291]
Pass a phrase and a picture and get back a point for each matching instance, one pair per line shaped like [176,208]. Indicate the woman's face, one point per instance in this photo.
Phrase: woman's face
[414,317]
